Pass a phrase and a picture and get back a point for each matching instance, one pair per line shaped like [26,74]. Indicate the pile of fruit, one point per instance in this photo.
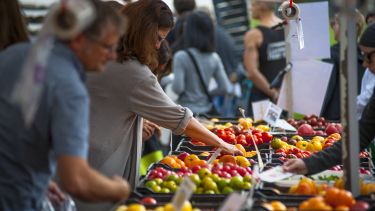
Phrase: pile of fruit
[220,179]
[333,199]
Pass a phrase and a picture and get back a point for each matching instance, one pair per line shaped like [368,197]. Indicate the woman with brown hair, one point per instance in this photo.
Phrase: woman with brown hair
[12,22]
[128,91]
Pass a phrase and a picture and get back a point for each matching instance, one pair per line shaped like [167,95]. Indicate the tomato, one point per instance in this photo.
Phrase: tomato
[255,130]
[249,139]
[266,136]
[220,132]
[229,129]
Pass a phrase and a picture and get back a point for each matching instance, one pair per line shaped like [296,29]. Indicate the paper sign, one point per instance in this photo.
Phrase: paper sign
[259,109]
[310,80]
[315,32]
[234,202]
[274,174]
[214,156]
[272,114]
[281,123]
[183,193]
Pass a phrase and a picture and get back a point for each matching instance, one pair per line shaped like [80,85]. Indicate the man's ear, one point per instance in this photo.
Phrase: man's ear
[78,43]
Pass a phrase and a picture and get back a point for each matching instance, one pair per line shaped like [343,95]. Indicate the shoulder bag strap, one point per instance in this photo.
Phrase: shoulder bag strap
[205,88]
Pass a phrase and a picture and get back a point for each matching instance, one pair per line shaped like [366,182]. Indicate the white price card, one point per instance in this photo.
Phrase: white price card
[234,202]
[214,156]
[274,174]
[183,193]
[259,109]
[272,114]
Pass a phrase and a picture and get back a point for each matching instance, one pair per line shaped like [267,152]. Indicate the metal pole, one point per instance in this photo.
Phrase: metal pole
[288,76]
[348,81]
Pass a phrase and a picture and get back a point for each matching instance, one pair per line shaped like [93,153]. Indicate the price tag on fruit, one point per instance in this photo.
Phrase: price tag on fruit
[214,156]
[183,193]
[274,174]
[234,202]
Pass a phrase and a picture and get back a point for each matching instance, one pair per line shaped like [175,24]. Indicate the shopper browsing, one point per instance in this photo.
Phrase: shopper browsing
[128,91]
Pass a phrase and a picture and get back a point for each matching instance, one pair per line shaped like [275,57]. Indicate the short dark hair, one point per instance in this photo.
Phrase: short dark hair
[369,15]
[12,22]
[183,6]
[199,32]
[105,15]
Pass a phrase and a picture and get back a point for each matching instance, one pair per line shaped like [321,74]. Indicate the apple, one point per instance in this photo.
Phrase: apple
[313,121]
[305,130]
[195,169]
[319,133]
[204,172]
[172,177]
[236,182]
[360,206]
[196,179]
[183,155]
[331,128]
[149,200]
[227,190]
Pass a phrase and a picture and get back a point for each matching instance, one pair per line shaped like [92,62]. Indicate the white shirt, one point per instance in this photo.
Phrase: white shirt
[367,88]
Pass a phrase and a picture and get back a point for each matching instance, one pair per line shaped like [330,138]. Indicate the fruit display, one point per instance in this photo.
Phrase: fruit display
[313,120]
[333,199]
[220,179]
[190,161]
[214,182]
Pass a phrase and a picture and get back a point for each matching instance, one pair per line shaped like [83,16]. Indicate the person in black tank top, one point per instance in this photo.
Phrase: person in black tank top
[264,54]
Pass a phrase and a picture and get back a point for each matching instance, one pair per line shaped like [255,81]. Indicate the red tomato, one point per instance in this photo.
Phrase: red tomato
[266,136]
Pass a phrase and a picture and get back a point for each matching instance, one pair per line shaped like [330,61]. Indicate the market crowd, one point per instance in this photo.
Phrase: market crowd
[104,100]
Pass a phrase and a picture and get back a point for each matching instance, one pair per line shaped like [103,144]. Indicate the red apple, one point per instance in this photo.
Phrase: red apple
[149,200]
[306,130]
[183,155]
[331,128]
[360,206]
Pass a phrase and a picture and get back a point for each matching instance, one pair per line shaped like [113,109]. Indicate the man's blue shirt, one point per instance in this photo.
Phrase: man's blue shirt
[28,155]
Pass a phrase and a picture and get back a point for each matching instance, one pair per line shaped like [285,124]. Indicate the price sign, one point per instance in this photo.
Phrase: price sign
[183,193]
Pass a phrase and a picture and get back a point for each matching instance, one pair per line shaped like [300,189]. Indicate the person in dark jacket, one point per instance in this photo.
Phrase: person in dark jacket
[332,156]
[331,106]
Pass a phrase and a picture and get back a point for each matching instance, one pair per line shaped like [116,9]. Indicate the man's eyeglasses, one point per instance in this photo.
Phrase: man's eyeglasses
[367,56]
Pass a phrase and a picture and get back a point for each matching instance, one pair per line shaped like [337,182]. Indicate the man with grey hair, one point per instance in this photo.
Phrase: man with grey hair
[58,137]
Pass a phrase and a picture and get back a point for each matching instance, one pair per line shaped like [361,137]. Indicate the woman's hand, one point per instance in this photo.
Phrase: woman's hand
[230,149]
[149,129]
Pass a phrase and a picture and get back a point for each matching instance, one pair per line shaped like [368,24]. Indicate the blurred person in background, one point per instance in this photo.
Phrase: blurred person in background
[264,53]
[12,22]
[370,18]
[182,8]
[128,91]
[199,40]
[332,156]
[331,107]
[58,137]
